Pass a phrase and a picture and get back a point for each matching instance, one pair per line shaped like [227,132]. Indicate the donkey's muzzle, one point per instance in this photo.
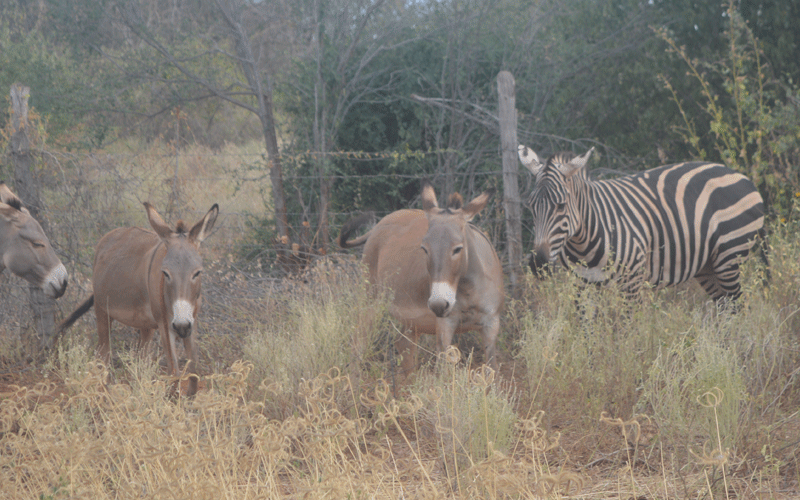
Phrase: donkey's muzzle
[55,283]
[442,299]
[56,290]
[182,328]
[439,308]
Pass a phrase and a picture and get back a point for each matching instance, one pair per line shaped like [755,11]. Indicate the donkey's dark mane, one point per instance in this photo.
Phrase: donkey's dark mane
[455,202]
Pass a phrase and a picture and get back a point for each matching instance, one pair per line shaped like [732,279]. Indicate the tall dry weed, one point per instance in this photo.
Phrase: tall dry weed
[467,411]
[331,319]
[592,353]
[128,441]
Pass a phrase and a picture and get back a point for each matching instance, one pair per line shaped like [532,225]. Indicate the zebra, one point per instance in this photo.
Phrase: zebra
[663,226]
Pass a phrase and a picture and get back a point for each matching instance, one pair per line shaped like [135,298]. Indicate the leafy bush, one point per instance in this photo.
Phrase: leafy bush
[755,120]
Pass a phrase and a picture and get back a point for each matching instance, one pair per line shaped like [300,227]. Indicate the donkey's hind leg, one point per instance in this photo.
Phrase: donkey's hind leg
[104,335]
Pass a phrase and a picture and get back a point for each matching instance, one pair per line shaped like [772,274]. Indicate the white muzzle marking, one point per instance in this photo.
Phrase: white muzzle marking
[442,294]
[182,313]
[56,276]
[57,280]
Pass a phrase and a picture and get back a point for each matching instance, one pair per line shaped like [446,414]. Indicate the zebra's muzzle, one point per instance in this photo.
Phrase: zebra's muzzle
[540,263]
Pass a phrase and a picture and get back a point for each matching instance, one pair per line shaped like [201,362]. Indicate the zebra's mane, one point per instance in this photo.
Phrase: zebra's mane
[560,158]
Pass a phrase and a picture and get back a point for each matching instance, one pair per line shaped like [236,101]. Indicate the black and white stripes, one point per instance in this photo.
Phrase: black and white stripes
[664,226]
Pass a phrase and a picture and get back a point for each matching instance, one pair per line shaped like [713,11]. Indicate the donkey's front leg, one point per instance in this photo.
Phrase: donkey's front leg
[192,359]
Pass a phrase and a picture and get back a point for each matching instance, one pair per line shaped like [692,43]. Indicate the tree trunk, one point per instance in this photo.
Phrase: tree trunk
[262,89]
[275,169]
[27,188]
[511,199]
[321,142]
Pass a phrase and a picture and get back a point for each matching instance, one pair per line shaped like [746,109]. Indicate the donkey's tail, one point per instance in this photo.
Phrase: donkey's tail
[350,227]
[77,313]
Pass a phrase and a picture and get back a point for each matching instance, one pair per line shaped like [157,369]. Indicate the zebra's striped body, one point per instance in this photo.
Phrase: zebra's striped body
[664,226]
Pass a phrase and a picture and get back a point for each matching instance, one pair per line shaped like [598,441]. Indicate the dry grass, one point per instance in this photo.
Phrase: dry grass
[596,397]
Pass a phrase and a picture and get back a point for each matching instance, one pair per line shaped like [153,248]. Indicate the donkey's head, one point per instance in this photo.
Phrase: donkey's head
[446,247]
[182,268]
[24,248]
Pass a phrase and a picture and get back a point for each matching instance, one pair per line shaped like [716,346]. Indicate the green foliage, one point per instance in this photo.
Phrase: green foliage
[753,120]
[593,327]
[56,83]
[699,372]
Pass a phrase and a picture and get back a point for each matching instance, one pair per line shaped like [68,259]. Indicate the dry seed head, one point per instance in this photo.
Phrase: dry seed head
[624,425]
[482,377]
[711,398]
[548,484]
[715,457]
[452,355]
[381,395]
[435,394]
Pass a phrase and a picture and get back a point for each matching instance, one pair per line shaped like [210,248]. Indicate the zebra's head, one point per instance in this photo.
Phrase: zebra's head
[553,202]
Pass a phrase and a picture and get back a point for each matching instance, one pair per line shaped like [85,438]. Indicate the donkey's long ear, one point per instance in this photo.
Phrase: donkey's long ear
[530,159]
[11,203]
[8,212]
[6,195]
[156,222]
[203,227]
[428,197]
[477,204]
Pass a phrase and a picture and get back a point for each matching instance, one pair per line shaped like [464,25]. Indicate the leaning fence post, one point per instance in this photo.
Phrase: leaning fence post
[27,188]
[511,199]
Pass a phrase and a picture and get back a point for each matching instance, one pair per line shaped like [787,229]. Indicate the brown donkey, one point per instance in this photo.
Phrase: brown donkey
[24,248]
[148,280]
[444,272]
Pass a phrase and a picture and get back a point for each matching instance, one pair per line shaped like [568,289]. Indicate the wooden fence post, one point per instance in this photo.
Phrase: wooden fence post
[27,188]
[511,199]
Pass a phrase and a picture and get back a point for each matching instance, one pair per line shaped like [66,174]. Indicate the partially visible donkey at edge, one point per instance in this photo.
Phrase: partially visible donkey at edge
[24,248]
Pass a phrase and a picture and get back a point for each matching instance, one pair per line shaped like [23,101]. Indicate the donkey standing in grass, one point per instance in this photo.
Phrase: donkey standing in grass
[443,271]
[148,280]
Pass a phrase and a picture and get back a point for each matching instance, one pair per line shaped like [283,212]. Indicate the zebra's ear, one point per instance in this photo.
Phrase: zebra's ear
[529,158]
[578,162]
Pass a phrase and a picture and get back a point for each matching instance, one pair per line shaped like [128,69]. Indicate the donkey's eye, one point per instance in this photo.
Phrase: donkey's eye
[166,275]
[424,250]
[457,250]
[197,274]
[37,244]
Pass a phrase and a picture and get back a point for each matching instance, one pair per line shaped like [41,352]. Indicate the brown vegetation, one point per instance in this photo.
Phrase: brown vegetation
[594,398]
